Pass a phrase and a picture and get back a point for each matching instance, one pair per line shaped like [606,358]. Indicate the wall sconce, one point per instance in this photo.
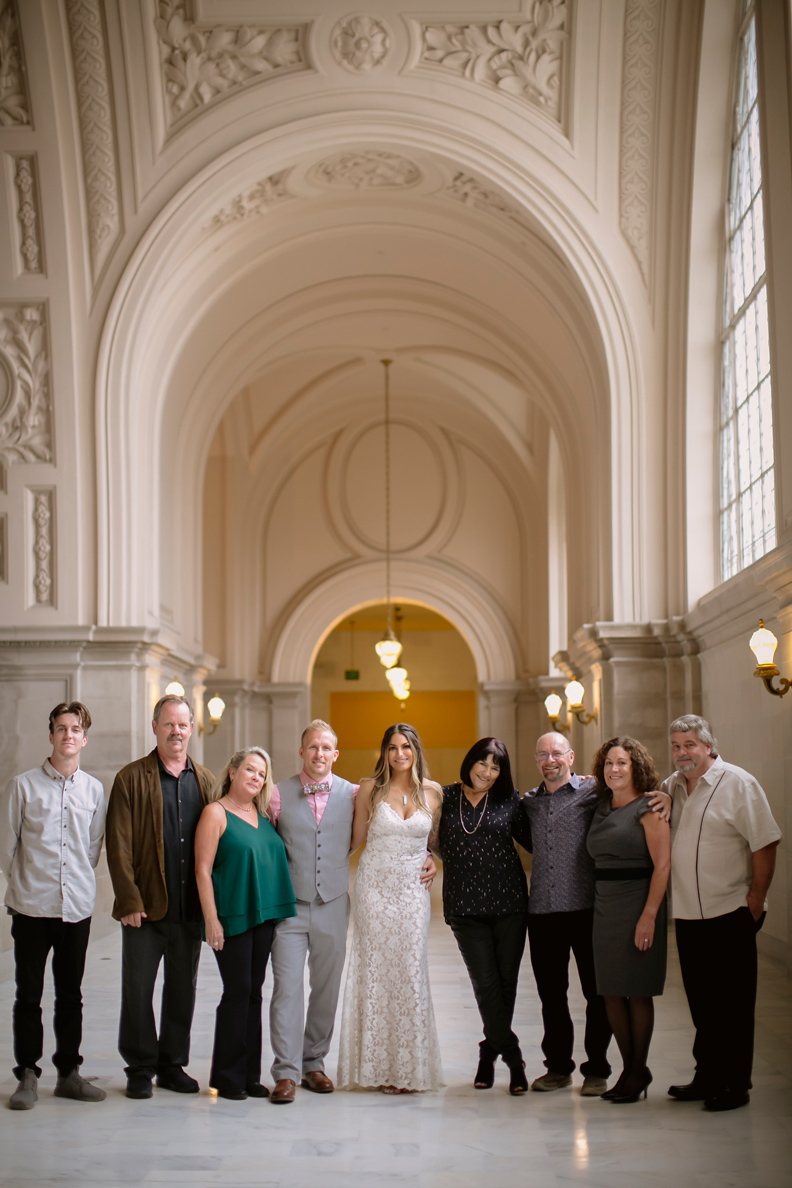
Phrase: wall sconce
[174,689]
[553,705]
[216,707]
[763,645]
[574,695]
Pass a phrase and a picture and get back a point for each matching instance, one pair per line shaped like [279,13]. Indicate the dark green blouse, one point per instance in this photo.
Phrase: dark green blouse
[251,876]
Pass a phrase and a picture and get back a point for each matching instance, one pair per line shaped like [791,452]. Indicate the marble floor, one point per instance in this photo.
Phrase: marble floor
[456,1137]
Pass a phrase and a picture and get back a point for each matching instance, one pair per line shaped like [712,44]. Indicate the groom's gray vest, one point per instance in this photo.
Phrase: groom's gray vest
[318,854]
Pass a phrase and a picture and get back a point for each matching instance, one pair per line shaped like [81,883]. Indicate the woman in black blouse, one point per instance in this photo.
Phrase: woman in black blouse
[485,896]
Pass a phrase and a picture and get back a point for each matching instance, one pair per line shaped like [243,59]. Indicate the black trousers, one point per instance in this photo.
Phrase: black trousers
[552,937]
[236,1059]
[492,949]
[718,961]
[142,950]
[34,936]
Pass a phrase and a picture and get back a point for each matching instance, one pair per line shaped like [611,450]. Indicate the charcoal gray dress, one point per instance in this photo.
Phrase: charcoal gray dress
[617,843]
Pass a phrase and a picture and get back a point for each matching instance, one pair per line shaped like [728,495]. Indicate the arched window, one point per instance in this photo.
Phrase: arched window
[747,501]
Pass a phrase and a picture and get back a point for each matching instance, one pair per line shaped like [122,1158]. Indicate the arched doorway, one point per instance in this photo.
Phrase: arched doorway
[349,689]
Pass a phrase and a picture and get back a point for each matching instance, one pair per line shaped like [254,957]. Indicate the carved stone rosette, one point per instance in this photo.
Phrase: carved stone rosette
[365,170]
[524,60]
[42,547]
[14,100]
[26,184]
[359,43]
[97,132]
[270,191]
[25,428]
[639,91]
[202,64]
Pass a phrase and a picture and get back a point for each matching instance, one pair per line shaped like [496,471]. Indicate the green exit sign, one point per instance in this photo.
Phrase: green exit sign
[352,674]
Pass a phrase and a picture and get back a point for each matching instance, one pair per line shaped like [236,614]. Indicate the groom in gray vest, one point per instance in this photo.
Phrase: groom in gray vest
[313,814]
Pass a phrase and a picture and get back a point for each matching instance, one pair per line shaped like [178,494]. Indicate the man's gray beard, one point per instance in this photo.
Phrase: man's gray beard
[685,766]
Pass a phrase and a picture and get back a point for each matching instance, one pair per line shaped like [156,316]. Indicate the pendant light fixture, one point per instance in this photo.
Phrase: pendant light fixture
[389,648]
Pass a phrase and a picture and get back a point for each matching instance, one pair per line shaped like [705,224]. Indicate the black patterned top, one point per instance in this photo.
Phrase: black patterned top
[482,872]
[562,877]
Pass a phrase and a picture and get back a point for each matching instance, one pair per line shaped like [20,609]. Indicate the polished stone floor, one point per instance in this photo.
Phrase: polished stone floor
[456,1137]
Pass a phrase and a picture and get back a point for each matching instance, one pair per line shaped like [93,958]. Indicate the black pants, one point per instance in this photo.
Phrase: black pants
[34,936]
[142,949]
[552,936]
[236,1059]
[718,961]
[492,949]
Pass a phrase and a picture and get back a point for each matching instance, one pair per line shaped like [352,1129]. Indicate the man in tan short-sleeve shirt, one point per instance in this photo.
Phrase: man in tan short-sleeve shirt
[724,841]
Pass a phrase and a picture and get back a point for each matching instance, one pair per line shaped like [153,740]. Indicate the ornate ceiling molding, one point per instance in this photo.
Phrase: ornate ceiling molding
[28,214]
[14,99]
[359,43]
[473,193]
[25,428]
[365,170]
[259,198]
[202,64]
[97,133]
[524,60]
[638,119]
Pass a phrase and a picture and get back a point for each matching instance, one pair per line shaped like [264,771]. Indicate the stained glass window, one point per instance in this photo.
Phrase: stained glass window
[747,496]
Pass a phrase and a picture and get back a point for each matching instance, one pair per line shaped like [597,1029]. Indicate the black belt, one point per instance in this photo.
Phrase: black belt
[623,872]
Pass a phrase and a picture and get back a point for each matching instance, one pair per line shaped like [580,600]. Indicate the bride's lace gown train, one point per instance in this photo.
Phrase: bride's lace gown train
[388,1034]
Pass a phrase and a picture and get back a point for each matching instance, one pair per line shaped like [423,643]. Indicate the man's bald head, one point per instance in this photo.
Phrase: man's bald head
[554,758]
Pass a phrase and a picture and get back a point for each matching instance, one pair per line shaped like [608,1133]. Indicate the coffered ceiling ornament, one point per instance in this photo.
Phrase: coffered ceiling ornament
[97,132]
[639,90]
[14,101]
[365,170]
[201,64]
[524,60]
[359,43]
[473,193]
[259,198]
[25,432]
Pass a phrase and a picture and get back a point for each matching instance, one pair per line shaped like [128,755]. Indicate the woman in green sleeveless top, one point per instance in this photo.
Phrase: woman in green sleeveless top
[245,889]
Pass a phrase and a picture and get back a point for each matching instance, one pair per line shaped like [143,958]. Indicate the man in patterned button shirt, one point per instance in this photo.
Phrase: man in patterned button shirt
[561,914]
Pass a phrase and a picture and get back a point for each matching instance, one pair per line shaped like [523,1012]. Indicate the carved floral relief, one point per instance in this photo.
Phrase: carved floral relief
[359,43]
[639,78]
[14,101]
[525,60]
[200,65]
[259,198]
[42,547]
[28,213]
[365,170]
[25,427]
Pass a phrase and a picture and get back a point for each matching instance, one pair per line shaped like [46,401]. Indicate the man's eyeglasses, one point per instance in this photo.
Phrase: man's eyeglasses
[543,755]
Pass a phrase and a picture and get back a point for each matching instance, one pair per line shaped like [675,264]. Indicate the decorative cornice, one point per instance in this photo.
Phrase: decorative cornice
[25,433]
[524,60]
[14,100]
[97,134]
[270,191]
[475,194]
[359,43]
[638,119]
[365,170]
[202,64]
[28,213]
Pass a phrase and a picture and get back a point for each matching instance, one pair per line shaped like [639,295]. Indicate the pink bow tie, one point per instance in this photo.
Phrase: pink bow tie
[312,789]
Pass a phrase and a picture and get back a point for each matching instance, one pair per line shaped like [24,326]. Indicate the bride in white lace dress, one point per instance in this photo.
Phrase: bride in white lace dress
[388,1034]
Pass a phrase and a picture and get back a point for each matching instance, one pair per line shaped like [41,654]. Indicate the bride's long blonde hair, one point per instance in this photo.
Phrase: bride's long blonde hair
[382,772]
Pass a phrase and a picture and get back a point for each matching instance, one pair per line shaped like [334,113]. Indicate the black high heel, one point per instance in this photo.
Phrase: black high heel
[614,1090]
[518,1082]
[485,1073]
[629,1098]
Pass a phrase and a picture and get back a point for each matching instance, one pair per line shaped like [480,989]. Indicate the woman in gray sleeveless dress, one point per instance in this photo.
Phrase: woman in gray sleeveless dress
[631,848]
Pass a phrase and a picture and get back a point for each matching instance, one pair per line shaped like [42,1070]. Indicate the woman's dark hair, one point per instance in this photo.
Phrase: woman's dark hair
[504,785]
[644,772]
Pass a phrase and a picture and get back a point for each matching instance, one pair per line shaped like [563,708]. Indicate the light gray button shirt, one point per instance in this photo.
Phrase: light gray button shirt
[51,830]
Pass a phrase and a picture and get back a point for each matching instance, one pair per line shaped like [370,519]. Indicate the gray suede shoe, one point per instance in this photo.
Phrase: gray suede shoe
[25,1095]
[77,1088]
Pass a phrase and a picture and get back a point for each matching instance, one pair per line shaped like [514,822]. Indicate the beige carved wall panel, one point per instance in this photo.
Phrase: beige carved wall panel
[25,414]
[14,98]
[27,232]
[638,120]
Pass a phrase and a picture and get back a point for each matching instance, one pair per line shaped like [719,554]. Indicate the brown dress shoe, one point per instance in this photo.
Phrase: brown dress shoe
[317,1082]
[284,1092]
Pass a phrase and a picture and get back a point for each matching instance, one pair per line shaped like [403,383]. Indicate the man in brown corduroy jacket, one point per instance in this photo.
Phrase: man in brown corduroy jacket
[151,818]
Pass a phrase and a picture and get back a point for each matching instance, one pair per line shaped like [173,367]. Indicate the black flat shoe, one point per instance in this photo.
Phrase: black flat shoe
[257,1090]
[726,1101]
[692,1092]
[485,1073]
[177,1080]
[229,1096]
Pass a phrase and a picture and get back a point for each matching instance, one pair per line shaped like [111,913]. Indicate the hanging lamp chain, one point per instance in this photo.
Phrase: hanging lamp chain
[386,364]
